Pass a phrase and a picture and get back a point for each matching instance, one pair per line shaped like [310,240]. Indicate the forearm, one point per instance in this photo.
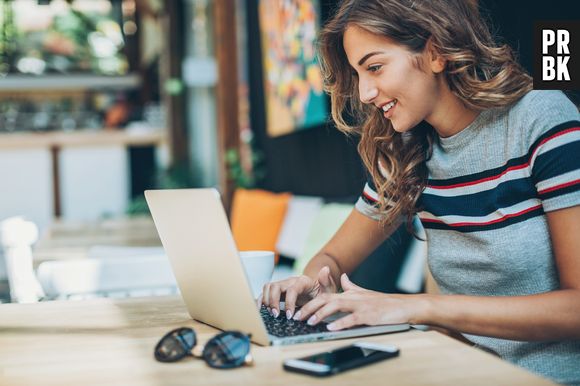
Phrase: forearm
[358,237]
[318,262]
[549,316]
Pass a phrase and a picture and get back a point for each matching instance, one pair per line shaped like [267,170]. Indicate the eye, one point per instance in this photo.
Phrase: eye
[374,67]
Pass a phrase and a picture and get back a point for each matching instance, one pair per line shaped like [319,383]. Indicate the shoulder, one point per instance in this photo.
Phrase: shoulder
[542,111]
[544,100]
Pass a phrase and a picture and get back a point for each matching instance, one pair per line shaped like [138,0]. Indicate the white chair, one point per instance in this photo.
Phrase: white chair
[413,275]
[128,276]
[16,238]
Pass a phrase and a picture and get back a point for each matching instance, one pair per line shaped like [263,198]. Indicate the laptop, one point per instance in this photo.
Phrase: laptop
[197,239]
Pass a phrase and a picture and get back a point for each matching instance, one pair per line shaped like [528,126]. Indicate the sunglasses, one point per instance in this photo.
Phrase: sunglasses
[227,350]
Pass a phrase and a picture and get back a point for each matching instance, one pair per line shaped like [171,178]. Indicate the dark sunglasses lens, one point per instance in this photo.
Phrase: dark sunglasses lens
[227,350]
[175,345]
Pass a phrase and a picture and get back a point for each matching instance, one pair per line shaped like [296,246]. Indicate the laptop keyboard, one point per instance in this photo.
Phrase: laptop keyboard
[282,327]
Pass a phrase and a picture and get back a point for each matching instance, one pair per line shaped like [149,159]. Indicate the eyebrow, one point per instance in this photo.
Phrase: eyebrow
[364,58]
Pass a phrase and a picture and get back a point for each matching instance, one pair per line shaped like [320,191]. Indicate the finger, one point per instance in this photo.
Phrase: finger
[266,295]
[275,292]
[325,279]
[291,296]
[259,301]
[312,306]
[347,321]
[301,286]
[325,311]
[346,284]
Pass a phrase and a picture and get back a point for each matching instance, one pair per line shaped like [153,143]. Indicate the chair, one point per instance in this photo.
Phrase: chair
[257,217]
[112,276]
[395,266]
[16,238]
[297,225]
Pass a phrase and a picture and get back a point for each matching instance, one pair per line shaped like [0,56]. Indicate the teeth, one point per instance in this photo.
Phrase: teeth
[388,106]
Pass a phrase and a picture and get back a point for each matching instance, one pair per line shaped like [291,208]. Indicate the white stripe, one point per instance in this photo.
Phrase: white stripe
[498,214]
[371,193]
[558,180]
[509,176]
[367,210]
[480,187]
[554,143]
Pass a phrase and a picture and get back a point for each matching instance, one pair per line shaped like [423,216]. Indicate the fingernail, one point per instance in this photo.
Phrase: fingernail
[297,315]
[331,326]
[312,320]
[275,312]
[288,314]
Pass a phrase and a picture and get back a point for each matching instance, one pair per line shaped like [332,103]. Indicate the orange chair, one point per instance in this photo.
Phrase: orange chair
[257,217]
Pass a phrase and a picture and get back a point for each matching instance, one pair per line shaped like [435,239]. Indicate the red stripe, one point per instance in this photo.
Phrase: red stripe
[517,167]
[561,186]
[369,197]
[461,224]
[554,136]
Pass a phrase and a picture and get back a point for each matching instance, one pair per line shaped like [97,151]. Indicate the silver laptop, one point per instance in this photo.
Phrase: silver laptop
[196,236]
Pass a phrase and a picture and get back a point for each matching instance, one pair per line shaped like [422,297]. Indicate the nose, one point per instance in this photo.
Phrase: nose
[367,90]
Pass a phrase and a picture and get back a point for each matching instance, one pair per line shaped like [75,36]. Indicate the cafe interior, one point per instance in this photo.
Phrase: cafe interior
[102,100]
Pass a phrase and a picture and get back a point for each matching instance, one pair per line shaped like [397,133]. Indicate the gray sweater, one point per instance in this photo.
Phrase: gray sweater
[484,209]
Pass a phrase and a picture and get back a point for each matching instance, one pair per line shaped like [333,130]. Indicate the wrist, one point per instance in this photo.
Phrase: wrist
[424,309]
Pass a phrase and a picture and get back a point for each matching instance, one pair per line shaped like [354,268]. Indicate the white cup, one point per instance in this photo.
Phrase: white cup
[259,266]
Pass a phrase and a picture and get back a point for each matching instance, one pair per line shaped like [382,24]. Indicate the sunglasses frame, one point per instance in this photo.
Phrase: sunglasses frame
[188,351]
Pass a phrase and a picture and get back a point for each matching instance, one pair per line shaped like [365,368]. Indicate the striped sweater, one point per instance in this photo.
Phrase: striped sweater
[484,207]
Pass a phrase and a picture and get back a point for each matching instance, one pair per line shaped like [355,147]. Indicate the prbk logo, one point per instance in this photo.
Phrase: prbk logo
[557,55]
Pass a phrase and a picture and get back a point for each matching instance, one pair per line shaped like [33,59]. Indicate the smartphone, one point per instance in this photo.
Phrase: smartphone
[341,359]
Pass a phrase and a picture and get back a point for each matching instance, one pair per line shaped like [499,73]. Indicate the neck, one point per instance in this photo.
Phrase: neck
[450,116]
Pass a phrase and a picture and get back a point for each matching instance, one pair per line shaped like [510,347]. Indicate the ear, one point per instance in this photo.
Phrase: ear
[436,61]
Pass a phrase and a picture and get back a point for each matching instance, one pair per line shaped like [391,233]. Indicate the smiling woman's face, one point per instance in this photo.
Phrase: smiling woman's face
[390,79]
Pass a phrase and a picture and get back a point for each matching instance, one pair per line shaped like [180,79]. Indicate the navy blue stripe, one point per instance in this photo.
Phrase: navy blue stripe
[483,228]
[483,203]
[560,192]
[512,162]
[480,175]
[556,129]
[368,201]
[560,160]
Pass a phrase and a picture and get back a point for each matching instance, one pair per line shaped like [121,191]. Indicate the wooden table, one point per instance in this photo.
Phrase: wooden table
[110,342]
[72,240]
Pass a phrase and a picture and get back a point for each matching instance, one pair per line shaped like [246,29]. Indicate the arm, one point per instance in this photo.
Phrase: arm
[357,238]
[354,241]
[550,316]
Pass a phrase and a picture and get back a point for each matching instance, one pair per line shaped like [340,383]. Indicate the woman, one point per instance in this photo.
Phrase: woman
[495,180]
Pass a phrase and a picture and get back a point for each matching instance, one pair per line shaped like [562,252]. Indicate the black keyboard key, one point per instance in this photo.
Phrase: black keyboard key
[283,327]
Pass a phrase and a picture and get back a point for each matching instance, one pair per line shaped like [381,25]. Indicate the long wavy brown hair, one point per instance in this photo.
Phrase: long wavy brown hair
[480,72]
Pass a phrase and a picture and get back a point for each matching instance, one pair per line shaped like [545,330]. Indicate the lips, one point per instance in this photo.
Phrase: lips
[388,107]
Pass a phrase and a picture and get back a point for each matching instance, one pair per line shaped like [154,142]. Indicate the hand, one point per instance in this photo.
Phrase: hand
[365,307]
[296,290]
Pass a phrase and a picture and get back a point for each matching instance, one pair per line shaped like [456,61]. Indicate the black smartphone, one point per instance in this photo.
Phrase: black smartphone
[341,359]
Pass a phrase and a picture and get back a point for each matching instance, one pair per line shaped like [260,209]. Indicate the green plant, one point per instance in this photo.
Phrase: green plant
[244,177]
[175,177]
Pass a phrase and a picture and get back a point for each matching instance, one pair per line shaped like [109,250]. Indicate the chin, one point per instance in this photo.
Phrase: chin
[401,128]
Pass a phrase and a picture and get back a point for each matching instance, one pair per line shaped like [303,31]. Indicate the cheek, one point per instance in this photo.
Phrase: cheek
[421,93]
[417,100]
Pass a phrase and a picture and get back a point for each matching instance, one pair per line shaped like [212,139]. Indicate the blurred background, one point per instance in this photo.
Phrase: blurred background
[103,99]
